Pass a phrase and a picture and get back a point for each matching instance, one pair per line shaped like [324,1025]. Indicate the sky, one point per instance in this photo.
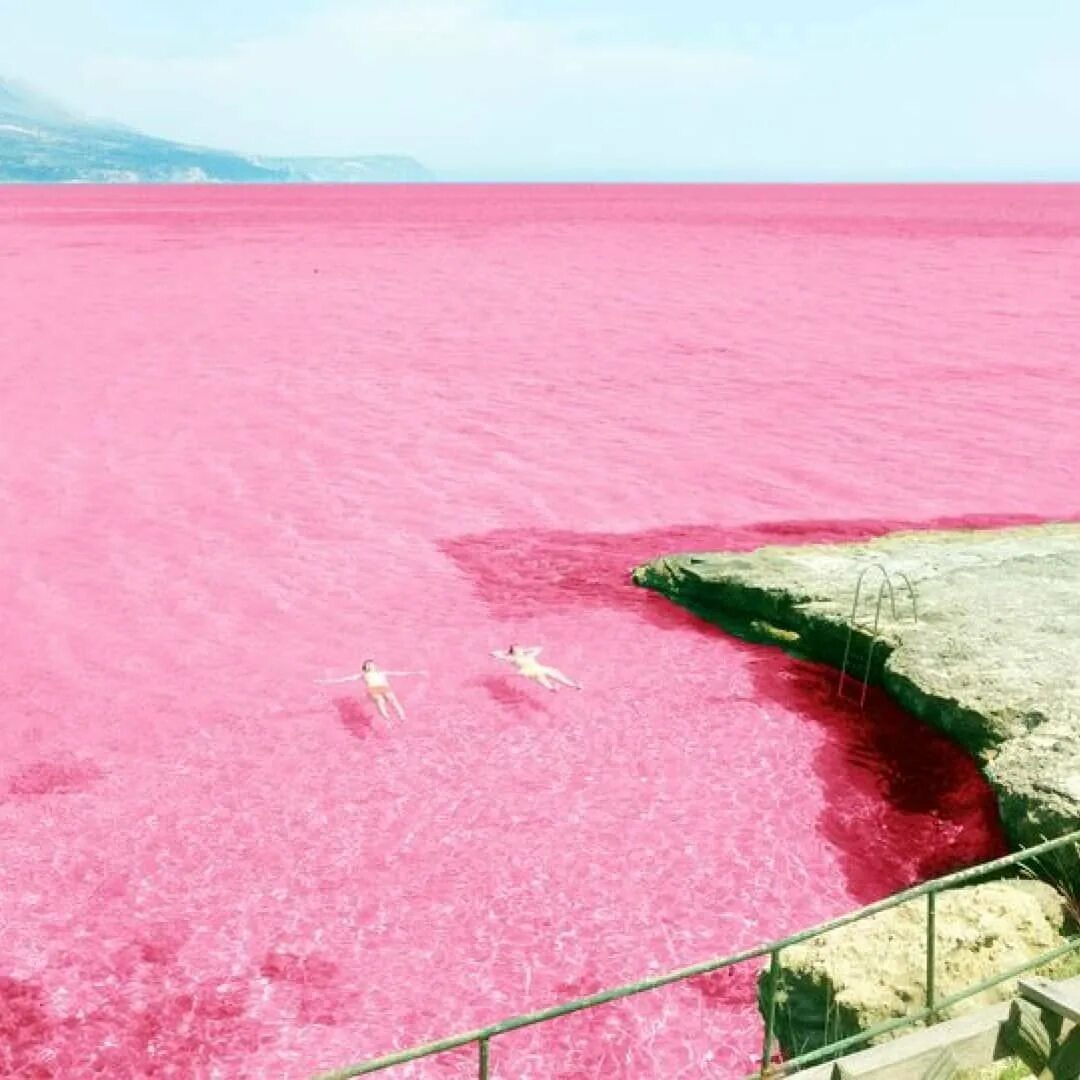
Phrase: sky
[651,90]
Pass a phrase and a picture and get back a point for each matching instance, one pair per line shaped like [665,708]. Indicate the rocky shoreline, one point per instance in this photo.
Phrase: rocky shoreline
[992,658]
[985,647]
[827,991]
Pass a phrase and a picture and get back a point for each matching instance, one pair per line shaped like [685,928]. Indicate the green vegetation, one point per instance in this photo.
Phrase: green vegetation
[1006,1069]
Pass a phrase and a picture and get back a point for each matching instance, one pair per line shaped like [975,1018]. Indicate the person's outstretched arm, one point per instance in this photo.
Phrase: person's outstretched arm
[345,678]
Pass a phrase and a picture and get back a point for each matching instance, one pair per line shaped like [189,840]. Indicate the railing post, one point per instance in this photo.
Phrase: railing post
[851,629]
[773,979]
[483,1044]
[931,940]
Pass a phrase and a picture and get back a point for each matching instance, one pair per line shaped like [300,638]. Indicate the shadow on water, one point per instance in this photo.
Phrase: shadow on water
[63,776]
[730,986]
[507,694]
[354,718]
[904,803]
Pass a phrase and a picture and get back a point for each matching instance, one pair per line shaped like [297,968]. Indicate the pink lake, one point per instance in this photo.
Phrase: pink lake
[251,436]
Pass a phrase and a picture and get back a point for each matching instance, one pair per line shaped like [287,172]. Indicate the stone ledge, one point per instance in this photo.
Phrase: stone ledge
[993,659]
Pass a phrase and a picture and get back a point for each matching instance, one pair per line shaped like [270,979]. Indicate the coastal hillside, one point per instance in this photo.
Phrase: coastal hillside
[43,142]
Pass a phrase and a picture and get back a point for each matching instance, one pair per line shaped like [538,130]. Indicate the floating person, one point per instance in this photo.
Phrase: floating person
[523,657]
[377,684]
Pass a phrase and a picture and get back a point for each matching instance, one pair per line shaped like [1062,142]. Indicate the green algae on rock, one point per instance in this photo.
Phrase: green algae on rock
[992,659]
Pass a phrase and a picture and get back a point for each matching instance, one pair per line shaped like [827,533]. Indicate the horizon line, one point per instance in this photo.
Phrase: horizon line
[567,182]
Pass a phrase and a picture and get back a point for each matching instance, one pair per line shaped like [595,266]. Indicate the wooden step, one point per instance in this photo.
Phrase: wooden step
[969,1041]
[1058,998]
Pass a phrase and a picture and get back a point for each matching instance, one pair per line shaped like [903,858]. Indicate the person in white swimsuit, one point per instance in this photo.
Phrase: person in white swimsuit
[378,686]
[523,657]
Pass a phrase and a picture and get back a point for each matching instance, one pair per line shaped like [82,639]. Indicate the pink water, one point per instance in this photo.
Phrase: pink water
[249,437]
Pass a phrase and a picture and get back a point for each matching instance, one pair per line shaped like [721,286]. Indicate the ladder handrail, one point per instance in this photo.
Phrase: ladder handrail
[886,583]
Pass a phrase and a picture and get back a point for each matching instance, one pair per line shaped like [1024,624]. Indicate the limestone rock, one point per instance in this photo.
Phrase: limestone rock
[863,974]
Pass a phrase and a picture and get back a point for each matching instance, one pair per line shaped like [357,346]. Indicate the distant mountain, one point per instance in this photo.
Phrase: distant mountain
[346,170]
[42,142]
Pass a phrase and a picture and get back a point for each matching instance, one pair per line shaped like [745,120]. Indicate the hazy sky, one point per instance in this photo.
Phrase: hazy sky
[583,89]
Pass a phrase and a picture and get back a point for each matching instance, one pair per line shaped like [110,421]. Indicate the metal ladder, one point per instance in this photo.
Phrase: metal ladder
[886,583]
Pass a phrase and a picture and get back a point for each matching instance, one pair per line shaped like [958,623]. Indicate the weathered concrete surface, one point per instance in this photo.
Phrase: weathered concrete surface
[828,990]
[993,659]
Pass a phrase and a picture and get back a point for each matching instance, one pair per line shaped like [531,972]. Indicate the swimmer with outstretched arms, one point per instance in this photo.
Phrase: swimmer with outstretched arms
[523,657]
[377,685]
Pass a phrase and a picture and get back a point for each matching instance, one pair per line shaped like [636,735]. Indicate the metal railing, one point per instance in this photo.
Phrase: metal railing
[886,583]
[482,1036]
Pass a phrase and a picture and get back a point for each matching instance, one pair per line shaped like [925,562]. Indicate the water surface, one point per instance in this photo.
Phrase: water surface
[249,437]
